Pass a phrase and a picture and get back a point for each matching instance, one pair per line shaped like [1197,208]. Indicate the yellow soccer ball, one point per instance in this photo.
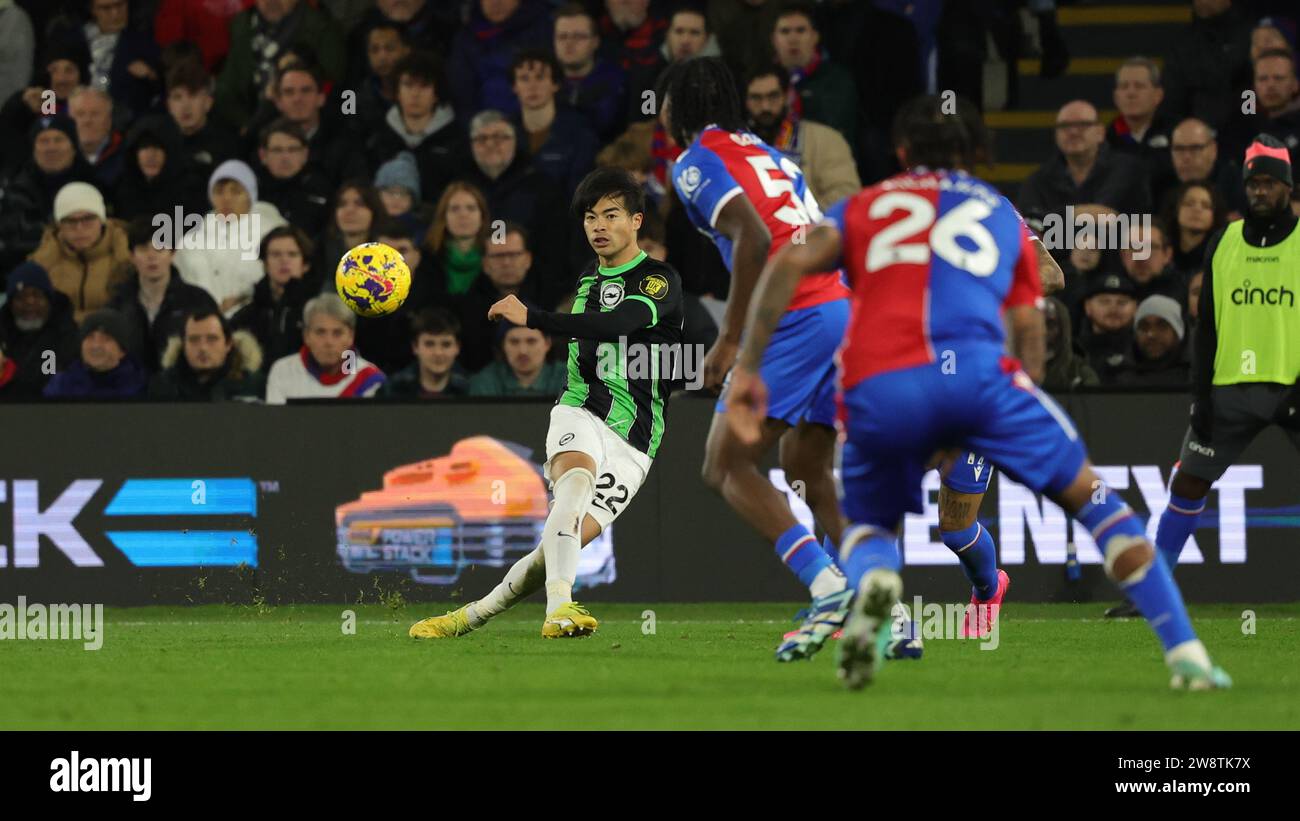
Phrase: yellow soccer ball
[373,279]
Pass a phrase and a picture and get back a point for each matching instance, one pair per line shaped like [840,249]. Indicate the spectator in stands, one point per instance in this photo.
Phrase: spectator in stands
[398,184]
[516,192]
[84,251]
[274,316]
[1277,108]
[327,366]
[1195,156]
[560,143]
[123,60]
[202,22]
[505,267]
[592,85]
[523,369]
[300,98]
[632,151]
[286,180]
[1209,65]
[435,373]
[424,123]
[63,70]
[189,102]
[37,331]
[631,33]
[457,240]
[219,255]
[1148,261]
[104,369]
[356,208]
[258,36]
[19,53]
[385,47]
[209,362]
[100,143]
[1195,213]
[484,48]
[1085,173]
[1106,337]
[1065,370]
[158,177]
[821,89]
[819,150]
[744,30]
[27,204]
[1272,33]
[1138,129]
[1159,353]
[426,25]
[152,297]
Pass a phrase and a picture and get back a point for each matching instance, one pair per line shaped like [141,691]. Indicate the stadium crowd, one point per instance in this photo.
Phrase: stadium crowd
[456,131]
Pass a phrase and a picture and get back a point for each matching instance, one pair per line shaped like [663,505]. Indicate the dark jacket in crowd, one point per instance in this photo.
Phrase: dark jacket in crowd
[1173,370]
[441,154]
[569,151]
[303,199]
[599,97]
[179,183]
[1207,67]
[27,207]
[149,339]
[1171,283]
[405,384]
[276,325]
[210,146]
[1067,370]
[1108,354]
[132,96]
[1117,181]
[240,377]
[26,349]
[477,334]
[76,381]
[482,52]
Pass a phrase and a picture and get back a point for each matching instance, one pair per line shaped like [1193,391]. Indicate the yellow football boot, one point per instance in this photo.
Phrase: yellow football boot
[447,626]
[569,621]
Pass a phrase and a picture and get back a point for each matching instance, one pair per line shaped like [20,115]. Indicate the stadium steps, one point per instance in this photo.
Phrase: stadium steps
[1100,37]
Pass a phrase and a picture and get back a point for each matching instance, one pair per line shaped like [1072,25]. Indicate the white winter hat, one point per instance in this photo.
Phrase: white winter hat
[76,197]
[238,171]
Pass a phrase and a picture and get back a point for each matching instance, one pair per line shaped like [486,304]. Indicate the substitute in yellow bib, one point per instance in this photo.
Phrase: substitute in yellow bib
[1247,342]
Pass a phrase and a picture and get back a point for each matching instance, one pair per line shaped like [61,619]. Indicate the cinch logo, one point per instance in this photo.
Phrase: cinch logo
[1246,295]
[77,774]
[137,498]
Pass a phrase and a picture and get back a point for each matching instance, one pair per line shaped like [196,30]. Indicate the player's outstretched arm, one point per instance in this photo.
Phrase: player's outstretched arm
[820,251]
[607,326]
[1028,338]
[1051,274]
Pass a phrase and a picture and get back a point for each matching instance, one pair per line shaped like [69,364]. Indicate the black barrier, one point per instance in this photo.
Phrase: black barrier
[140,504]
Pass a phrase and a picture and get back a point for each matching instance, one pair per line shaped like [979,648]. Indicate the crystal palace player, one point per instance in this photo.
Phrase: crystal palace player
[750,200]
[938,261]
[609,420]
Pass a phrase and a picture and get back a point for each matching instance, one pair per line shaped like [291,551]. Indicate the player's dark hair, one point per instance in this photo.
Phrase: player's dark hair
[608,182]
[775,70]
[202,313]
[436,321]
[934,138]
[701,91]
[537,55]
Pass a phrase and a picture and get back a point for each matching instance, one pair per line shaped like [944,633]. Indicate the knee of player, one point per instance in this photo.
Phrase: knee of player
[1128,557]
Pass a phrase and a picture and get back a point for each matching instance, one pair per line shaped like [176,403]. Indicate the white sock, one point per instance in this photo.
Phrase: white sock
[562,534]
[827,581]
[1192,651]
[524,578]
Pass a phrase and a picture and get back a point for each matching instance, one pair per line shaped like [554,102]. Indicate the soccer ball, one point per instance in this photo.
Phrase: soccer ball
[373,279]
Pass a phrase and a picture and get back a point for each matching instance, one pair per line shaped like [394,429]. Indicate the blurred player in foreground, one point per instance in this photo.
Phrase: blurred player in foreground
[938,261]
[609,420]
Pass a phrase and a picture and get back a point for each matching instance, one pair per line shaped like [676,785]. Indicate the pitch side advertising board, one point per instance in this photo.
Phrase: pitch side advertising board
[169,504]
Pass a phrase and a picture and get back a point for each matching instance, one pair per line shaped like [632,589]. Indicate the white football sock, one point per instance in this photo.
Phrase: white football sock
[1191,650]
[562,534]
[524,578]
[827,581]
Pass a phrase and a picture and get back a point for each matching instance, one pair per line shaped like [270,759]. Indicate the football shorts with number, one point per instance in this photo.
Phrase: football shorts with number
[620,468]
[799,364]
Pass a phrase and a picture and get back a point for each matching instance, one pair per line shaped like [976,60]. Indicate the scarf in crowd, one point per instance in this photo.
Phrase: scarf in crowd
[269,39]
[797,76]
[462,267]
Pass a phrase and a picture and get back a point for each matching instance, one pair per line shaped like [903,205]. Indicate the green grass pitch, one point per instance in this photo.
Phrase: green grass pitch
[705,666]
